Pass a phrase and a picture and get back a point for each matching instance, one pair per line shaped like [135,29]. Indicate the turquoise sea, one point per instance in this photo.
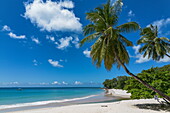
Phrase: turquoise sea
[22,97]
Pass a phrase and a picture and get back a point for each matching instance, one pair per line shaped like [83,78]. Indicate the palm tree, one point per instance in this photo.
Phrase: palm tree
[110,44]
[154,46]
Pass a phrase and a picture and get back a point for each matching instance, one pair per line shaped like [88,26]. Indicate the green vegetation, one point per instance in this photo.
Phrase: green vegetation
[110,44]
[157,77]
[116,83]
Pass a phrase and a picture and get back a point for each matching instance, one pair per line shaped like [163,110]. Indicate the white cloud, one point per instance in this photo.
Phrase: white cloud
[87,53]
[43,83]
[12,35]
[131,14]
[76,42]
[77,83]
[136,48]
[51,38]
[64,42]
[14,83]
[55,63]
[140,58]
[67,41]
[165,59]
[161,25]
[64,83]
[35,62]
[6,28]
[33,84]
[61,60]
[9,83]
[53,16]
[55,83]
[35,40]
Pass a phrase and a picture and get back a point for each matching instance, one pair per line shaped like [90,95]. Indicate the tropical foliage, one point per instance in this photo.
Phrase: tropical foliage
[157,77]
[117,83]
[154,76]
[153,46]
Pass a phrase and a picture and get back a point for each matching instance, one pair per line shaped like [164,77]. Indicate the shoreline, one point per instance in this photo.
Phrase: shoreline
[100,98]
[104,97]
[113,100]
[124,106]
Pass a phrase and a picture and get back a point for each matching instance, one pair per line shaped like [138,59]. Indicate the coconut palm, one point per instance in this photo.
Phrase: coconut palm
[154,46]
[110,45]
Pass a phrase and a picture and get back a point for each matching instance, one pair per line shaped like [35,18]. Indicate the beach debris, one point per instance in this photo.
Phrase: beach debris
[104,106]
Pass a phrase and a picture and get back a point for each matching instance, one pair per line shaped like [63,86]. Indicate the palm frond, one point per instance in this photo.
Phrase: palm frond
[129,27]
[117,7]
[97,52]
[153,46]
[89,29]
[95,16]
[125,41]
[89,38]
[165,39]
[144,48]
[146,31]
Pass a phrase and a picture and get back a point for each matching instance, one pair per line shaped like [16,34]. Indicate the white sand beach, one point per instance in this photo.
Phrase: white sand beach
[118,93]
[125,106]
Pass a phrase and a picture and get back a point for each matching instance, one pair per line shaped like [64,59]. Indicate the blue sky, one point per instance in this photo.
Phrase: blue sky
[39,41]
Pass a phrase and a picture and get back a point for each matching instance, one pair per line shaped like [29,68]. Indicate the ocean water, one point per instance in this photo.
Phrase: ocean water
[16,97]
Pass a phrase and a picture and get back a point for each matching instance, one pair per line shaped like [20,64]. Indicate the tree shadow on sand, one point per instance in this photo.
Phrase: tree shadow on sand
[156,107]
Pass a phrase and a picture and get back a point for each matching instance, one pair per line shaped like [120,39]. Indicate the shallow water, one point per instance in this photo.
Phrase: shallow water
[12,99]
[16,96]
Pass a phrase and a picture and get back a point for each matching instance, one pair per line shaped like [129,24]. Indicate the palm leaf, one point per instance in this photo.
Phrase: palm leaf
[125,41]
[154,46]
[89,38]
[89,29]
[128,27]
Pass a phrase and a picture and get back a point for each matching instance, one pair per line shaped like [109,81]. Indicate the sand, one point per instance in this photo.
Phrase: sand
[124,106]
[118,93]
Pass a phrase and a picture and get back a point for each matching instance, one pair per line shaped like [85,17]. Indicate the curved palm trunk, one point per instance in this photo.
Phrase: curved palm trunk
[141,81]
[167,55]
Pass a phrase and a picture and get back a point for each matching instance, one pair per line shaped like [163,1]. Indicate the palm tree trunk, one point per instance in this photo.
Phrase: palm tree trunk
[141,81]
[167,55]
